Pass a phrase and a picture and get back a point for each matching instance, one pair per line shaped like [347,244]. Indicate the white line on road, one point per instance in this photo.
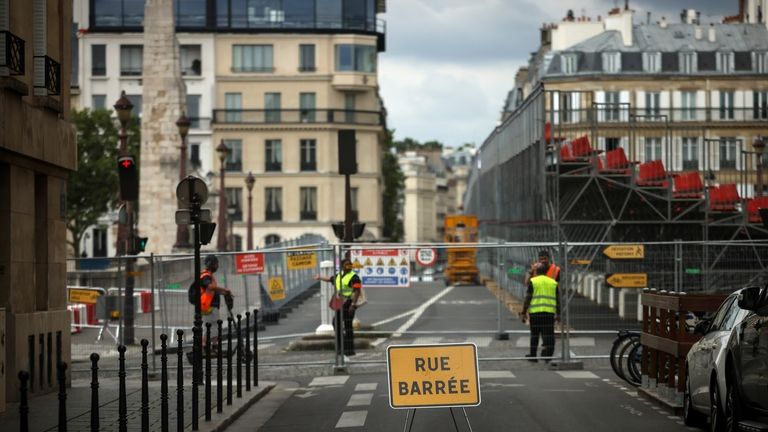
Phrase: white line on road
[419,311]
[360,399]
[352,419]
[366,387]
[496,374]
[329,380]
[577,374]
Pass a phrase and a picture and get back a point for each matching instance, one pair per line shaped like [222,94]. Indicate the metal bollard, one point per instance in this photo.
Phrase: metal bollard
[144,387]
[164,382]
[62,377]
[23,401]
[196,371]
[180,383]
[94,392]
[247,351]
[255,347]
[122,414]
[207,371]
[239,355]
[219,380]
[229,361]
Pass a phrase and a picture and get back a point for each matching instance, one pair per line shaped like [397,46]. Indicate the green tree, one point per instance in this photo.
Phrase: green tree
[394,183]
[93,189]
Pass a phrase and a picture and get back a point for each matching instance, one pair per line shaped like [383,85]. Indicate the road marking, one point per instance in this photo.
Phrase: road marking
[265,346]
[366,387]
[360,399]
[352,419]
[480,341]
[419,311]
[427,340]
[307,394]
[577,374]
[494,384]
[329,380]
[564,390]
[496,374]
[378,342]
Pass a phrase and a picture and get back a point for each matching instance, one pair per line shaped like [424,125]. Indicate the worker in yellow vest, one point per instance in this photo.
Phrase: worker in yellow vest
[348,286]
[542,310]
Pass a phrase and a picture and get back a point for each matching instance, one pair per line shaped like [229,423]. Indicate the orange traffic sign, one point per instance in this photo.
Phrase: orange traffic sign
[625,251]
[627,280]
[430,376]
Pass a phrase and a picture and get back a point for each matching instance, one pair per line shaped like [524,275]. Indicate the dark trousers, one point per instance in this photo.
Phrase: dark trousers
[349,337]
[543,324]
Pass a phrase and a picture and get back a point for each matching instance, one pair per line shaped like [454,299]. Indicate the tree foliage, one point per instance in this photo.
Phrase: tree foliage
[394,183]
[412,144]
[93,189]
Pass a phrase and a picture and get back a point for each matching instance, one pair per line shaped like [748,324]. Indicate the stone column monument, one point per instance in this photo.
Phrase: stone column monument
[164,100]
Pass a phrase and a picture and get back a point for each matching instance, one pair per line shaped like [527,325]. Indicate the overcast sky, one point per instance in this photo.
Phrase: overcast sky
[450,63]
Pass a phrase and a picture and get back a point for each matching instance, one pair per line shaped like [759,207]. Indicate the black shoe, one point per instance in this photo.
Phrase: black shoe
[532,360]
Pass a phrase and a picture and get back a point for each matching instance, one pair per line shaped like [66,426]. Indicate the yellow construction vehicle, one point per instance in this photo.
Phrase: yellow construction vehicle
[462,261]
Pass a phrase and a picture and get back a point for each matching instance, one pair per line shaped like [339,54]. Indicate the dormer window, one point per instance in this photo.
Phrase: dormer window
[570,64]
[688,62]
[652,62]
[725,62]
[611,62]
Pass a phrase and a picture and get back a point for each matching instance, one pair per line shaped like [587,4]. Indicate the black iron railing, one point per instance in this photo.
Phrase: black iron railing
[51,74]
[260,116]
[13,48]
[308,215]
[274,215]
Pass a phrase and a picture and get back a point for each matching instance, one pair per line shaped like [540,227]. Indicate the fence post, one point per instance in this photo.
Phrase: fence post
[239,355]
[219,380]
[229,361]
[208,371]
[94,392]
[180,382]
[196,372]
[164,382]
[122,407]
[255,347]
[247,351]
[23,405]
[152,308]
[144,387]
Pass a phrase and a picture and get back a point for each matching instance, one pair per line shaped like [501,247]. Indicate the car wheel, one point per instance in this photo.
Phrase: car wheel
[716,423]
[732,408]
[691,417]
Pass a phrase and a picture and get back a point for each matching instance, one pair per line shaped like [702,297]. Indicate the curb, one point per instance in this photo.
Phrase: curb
[220,422]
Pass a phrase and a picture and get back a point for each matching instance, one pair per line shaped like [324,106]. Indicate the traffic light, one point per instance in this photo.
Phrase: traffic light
[358,229]
[139,244]
[206,232]
[129,178]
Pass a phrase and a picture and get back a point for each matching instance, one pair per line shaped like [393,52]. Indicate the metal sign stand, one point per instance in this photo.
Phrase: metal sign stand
[410,417]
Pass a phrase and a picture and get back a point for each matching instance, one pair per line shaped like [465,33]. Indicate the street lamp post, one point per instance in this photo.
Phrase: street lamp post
[221,239]
[249,182]
[231,211]
[182,231]
[123,108]
[759,146]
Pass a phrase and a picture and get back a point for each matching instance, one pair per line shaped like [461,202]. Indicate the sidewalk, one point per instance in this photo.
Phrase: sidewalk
[43,410]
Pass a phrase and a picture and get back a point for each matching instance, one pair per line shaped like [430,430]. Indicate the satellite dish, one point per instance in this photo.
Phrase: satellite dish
[190,187]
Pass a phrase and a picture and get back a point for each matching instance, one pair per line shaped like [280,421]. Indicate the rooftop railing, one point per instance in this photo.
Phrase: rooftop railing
[293,116]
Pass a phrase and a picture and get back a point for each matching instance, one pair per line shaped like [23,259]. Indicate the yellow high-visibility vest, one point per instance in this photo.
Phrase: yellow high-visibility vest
[544,297]
[342,284]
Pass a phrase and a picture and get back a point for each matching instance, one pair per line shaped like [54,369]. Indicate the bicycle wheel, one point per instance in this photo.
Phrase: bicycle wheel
[618,345]
[623,361]
[634,363]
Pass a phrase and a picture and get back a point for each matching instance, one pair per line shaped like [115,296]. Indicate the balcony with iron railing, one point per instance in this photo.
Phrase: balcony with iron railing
[623,113]
[12,58]
[308,215]
[47,76]
[273,215]
[297,116]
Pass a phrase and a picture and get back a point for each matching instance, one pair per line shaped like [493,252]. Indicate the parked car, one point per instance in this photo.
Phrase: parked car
[706,369]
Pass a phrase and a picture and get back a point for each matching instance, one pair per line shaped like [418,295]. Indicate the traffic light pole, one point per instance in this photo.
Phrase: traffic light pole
[127,249]
[197,350]
[349,236]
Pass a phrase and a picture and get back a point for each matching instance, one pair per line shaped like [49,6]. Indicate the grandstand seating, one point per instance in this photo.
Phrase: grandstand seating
[723,198]
[652,174]
[687,185]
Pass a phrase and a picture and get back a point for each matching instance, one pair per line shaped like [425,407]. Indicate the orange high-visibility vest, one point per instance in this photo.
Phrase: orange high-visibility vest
[553,271]
[206,298]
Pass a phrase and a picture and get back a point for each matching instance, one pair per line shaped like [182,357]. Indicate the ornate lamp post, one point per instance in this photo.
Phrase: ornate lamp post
[249,182]
[759,146]
[182,231]
[221,239]
[125,234]
[231,211]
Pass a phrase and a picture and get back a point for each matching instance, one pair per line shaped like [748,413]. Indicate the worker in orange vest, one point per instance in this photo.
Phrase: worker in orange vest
[210,294]
[551,270]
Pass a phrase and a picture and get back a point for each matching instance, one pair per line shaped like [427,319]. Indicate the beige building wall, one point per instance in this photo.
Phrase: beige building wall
[37,152]
[331,89]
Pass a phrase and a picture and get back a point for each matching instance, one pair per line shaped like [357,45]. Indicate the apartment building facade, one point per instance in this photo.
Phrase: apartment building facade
[274,80]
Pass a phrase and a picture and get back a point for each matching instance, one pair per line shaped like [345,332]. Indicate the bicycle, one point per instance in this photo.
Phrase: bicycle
[627,350]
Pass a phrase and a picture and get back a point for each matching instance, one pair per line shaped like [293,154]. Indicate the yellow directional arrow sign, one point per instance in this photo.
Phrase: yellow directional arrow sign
[629,251]
[627,280]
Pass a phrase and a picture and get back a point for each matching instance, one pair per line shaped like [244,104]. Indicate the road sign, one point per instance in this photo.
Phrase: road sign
[426,256]
[276,290]
[627,280]
[513,271]
[249,263]
[189,187]
[581,262]
[431,376]
[627,251]
[84,295]
[184,217]
[302,260]
[693,271]
[382,267]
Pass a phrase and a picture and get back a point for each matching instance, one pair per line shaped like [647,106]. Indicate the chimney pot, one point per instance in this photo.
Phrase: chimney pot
[663,22]
[712,33]
[697,32]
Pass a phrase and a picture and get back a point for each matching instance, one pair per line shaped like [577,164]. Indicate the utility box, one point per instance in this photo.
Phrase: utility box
[3,367]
